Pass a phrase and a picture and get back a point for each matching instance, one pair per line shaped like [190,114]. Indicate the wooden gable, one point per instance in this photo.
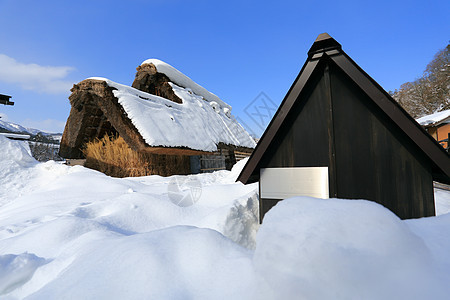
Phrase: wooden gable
[336,116]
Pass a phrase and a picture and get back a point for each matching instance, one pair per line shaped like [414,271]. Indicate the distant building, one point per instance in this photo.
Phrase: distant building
[338,134]
[4,99]
[438,126]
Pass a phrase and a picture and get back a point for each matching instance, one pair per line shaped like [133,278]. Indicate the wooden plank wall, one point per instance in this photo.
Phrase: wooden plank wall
[375,160]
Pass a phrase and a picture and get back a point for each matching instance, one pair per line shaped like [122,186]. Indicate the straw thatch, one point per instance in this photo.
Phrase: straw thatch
[149,80]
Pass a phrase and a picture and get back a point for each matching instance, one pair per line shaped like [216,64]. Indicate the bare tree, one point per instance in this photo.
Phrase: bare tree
[429,93]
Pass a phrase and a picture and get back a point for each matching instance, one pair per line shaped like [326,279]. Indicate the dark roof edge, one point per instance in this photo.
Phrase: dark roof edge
[395,112]
[324,42]
[278,119]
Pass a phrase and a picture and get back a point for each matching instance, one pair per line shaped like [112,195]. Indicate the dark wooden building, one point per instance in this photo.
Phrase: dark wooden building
[336,116]
[4,99]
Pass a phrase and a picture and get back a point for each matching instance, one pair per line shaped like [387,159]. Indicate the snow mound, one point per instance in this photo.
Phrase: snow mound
[16,166]
[70,232]
[237,169]
[15,270]
[175,263]
[342,249]
[434,232]
[182,80]
[15,153]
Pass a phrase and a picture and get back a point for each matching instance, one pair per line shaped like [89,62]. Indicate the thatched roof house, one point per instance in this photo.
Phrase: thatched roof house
[163,113]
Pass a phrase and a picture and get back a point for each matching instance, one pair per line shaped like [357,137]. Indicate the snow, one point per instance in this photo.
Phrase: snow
[74,233]
[174,263]
[343,249]
[16,127]
[17,269]
[435,233]
[442,201]
[183,81]
[434,118]
[72,218]
[194,123]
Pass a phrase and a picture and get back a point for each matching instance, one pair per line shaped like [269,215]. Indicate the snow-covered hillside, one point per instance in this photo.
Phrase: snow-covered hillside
[13,127]
[74,233]
[6,126]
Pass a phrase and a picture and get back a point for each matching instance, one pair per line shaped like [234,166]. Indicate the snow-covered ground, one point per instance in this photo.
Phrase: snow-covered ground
[74,233]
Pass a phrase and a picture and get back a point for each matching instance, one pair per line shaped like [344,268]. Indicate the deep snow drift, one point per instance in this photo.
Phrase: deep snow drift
[71,232]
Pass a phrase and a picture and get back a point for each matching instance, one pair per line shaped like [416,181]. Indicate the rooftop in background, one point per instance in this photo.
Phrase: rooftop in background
[435,119]
[4,99]
[15,136]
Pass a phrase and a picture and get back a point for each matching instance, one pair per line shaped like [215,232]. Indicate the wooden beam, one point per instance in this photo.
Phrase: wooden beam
[4,99]
[174,151]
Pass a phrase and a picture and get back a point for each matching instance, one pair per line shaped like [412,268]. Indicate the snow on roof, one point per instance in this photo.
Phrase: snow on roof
[434,118]
[182,80]
[195,123]
[15,135]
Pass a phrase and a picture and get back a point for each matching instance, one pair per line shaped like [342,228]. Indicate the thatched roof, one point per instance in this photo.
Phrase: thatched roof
[155,115]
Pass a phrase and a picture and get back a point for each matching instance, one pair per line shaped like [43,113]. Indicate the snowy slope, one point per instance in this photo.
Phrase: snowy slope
[74,233]
[195,123]
[12,127]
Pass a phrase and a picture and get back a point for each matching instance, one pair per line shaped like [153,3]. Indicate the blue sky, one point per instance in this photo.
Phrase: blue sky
[235,49]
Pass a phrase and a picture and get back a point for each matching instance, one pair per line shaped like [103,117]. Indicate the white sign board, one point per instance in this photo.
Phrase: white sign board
[282,183]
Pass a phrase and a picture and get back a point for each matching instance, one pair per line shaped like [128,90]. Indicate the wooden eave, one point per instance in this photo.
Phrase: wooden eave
[173,151]
[4,99]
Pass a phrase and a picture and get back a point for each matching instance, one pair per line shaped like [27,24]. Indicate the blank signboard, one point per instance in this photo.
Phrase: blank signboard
[282,183]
